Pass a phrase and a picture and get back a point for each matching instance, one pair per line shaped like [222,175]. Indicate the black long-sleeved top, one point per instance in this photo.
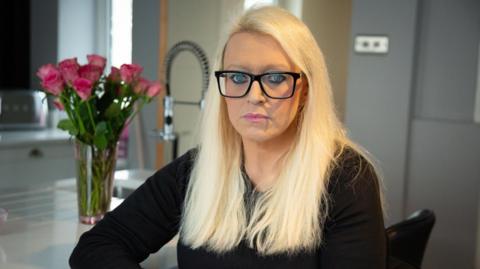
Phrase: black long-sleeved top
[354,234]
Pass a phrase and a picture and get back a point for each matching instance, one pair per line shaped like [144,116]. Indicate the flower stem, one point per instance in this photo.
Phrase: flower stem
[64,100]
[90,114]
[134,114]
[82,128]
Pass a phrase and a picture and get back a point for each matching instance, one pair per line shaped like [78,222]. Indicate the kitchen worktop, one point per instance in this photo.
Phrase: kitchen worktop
[42,228]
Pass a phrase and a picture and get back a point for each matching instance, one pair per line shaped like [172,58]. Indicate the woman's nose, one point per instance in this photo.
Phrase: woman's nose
[256,95]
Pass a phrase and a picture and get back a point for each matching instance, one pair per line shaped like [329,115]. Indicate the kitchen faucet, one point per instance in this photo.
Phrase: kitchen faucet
[168,133]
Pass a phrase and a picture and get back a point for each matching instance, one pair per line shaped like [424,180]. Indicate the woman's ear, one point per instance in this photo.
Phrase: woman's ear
[304,92]
[303,100]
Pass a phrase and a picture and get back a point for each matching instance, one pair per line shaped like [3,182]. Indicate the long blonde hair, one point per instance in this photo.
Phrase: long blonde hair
[289,217]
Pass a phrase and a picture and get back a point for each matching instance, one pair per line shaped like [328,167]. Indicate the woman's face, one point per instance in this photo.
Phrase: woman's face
[256,117]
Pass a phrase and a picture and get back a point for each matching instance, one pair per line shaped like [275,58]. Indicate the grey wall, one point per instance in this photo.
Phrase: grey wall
[447,60]
[379,91]
[444,148]
[444,176]
[145,40]
[413,108]
[44,36]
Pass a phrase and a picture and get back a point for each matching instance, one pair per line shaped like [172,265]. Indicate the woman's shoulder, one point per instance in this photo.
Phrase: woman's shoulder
[355,211]
[185,162]
[352,169]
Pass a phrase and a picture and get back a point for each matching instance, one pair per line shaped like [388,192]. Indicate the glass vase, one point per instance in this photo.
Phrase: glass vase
[95,174]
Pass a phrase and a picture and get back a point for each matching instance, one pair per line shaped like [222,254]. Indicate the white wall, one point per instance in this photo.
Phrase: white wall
[76,29]
[330,23]
[200,22]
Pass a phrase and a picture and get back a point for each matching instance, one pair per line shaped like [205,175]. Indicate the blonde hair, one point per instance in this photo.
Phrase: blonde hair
[289,217]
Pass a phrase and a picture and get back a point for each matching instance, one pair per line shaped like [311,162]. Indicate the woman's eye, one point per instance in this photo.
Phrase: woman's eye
[276,78]
[238,78]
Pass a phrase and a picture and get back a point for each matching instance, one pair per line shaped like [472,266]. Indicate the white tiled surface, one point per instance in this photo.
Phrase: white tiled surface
[42,228]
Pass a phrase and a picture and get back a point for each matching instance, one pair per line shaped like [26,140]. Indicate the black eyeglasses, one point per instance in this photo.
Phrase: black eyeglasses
[276,85]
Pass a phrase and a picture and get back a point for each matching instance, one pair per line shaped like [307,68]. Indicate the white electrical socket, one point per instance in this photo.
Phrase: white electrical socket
[371,44]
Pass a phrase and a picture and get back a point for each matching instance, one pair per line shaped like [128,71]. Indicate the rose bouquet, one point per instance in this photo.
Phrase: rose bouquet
[98,108]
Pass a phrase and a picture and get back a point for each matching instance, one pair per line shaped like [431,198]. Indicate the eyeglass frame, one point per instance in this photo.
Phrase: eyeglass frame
[258,77]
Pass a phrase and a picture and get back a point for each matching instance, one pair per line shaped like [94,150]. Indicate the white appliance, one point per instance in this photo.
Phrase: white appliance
[23,109]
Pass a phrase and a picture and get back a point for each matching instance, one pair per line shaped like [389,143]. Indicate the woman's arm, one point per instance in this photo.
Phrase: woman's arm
[354,232]
[143,223]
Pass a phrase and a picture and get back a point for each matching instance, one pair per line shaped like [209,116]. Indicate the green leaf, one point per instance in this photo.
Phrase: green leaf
[100,141]
[113,111]
[82,115]
[67,125]
[101,128]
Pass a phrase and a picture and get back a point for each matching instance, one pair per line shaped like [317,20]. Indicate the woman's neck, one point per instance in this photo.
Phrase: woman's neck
[262,160]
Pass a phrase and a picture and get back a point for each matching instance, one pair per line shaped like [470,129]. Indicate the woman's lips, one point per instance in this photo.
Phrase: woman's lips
[253,117]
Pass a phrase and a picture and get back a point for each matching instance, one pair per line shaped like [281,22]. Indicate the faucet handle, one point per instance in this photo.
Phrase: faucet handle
[165,136]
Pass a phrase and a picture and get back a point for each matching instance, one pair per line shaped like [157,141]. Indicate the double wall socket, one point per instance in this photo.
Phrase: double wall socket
[371,44]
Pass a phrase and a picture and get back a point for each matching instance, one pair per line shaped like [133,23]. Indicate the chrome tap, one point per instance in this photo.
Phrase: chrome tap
[168,133]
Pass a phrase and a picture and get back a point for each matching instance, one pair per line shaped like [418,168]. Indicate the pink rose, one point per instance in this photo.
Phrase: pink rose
[52,80]
[83,87]
[69,62]
[97,60]
[154,88]
[130,72]
[69,74]
[90,72]
[114,75]
[141,86]
[44,70]
[58,104]
[69,69]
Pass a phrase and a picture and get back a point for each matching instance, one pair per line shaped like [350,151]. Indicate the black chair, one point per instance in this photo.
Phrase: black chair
[394,263]
[408,239]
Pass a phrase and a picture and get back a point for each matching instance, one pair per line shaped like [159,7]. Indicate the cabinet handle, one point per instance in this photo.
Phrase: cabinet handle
[36,153]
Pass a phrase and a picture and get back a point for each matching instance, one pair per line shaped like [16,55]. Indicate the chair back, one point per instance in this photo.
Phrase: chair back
[407,240]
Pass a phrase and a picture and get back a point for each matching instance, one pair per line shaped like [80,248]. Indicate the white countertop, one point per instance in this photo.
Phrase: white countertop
[42,228]
[25,137]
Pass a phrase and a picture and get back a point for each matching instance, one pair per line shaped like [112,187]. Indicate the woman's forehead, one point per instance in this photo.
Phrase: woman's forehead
[252,50]
[266,66]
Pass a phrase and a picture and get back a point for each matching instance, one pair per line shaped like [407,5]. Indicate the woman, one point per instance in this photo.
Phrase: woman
[274,183]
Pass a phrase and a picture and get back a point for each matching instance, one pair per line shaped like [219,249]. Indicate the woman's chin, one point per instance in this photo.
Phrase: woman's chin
[257,137]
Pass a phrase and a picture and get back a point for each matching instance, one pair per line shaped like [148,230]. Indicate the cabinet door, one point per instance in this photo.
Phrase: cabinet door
[22,166]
